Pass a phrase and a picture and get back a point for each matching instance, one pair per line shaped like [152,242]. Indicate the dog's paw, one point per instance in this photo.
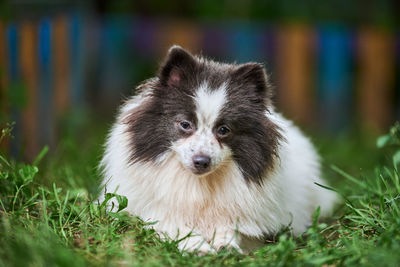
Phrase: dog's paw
[197,245]
[204,249]
[226,240]
[233,245]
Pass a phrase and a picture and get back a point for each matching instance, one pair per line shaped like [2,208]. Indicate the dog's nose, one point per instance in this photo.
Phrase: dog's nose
[201,162]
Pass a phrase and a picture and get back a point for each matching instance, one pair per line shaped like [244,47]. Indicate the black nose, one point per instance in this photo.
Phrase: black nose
[201,162]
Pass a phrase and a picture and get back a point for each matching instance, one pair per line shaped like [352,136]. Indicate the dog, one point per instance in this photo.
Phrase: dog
[201,152]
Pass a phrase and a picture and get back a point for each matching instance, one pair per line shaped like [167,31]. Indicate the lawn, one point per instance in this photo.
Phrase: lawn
[48,216]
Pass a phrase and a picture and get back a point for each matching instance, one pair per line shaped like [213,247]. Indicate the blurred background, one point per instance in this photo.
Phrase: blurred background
[65,66]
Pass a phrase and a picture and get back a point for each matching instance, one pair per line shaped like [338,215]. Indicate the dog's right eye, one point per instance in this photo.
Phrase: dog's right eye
[185,125]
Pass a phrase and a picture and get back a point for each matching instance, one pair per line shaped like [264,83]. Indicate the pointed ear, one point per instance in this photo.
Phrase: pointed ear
[177,67]
[255,78]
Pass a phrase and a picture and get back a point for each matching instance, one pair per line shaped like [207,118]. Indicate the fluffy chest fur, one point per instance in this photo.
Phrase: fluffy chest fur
[201,150]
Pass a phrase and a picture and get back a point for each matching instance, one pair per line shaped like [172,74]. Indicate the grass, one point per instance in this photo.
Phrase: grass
[48,216]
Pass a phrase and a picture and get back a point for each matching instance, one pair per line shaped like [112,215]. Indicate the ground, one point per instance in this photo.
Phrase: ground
[48,217]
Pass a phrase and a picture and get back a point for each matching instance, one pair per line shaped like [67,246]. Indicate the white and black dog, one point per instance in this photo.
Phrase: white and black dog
[201,151]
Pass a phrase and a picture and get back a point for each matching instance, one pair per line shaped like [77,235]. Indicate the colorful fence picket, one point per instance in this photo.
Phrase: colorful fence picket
[326,75]
[334,71]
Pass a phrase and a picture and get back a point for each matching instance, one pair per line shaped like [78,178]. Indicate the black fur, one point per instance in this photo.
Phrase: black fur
[152,124]
[253,138]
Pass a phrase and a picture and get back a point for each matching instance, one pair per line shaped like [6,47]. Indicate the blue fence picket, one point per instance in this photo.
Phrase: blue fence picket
[76,60]
[15,90]
[46,109]
[245,41]
[114,56]
[334,70]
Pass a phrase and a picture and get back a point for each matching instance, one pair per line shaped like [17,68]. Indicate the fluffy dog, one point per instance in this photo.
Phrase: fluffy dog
[201,151]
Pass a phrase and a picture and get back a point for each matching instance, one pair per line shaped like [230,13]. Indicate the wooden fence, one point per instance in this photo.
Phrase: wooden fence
[327,76]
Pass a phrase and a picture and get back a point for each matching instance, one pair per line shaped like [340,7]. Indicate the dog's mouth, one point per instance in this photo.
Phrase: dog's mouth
[200,173]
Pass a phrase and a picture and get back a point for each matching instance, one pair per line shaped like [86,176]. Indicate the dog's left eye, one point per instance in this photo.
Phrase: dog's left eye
[223,131]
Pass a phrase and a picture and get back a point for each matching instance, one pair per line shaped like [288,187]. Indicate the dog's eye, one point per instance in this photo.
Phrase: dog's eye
[185,125]
[223,131]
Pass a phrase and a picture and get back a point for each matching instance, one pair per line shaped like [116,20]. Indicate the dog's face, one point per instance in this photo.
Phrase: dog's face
[209,114]
[201,147]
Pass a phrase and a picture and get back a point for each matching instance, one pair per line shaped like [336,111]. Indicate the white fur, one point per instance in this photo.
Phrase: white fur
[219,209]
[203,142]
[209,104]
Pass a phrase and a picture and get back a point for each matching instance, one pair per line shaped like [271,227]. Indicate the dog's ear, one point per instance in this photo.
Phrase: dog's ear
[177,67]
[254,77]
